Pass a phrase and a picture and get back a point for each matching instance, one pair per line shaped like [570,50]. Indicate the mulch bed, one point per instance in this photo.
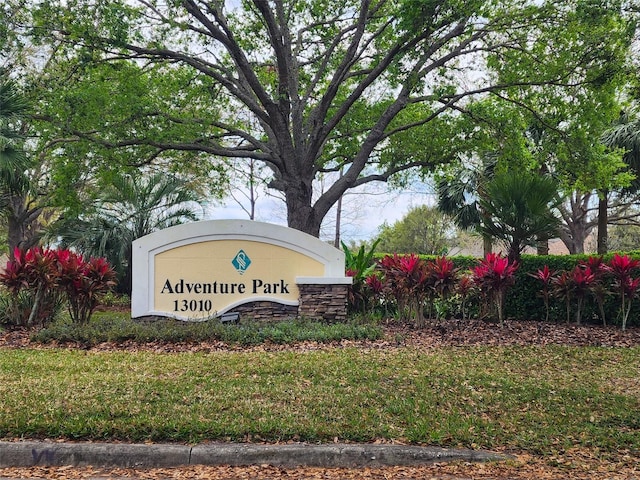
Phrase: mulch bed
[450,333]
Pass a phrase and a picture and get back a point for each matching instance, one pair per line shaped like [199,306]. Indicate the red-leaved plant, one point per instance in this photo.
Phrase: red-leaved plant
[415,280]
[545,275]
[575,284]
[407,280]
[389,266]
[598,287]
[443,277]
[84,283]
[365,295]
[355,296]
[562,286]
[374,285]
[621,267]
[583,279]
[494,275]
[33,272]
[45,273]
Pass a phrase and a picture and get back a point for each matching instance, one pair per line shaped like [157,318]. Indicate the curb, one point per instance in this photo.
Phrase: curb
[107,455]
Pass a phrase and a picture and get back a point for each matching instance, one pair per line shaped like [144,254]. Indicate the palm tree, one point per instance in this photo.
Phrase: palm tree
[519,210]
[14,164]
[13,109]
[131,207]
[458,196]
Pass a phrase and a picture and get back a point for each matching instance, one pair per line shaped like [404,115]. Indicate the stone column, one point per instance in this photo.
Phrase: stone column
[326,301]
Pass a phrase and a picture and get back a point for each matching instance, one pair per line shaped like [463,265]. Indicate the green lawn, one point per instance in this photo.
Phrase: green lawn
[538,399]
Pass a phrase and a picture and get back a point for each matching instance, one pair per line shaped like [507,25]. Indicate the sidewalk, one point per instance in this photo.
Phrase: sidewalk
[120,455]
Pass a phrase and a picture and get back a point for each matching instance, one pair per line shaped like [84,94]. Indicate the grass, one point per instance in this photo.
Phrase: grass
[538,399]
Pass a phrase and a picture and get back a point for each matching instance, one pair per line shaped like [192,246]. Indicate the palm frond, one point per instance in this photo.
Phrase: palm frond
[130,207]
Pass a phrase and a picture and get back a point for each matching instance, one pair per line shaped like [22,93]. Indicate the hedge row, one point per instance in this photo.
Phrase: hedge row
[524,302]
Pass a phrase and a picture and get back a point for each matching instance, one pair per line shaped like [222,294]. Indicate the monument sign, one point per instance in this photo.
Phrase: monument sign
[201,270]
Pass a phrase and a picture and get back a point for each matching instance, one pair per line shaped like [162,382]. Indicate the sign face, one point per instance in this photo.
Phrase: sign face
[208,277]
[204,269]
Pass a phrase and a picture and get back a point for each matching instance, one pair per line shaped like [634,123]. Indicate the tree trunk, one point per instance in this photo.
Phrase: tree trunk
[577,224]
[22,225]
[487,245]
[542,247]
[127,280]
[301,215]
[252,189]
[574,239]
[15,235]
[514,252]
[336,241]
[35,308]
[603,220]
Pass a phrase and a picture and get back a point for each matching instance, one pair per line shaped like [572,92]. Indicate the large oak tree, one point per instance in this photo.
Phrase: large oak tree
[315,86]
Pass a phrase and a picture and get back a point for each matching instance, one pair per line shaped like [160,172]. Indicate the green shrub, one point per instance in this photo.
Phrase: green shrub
[118,328]
[360,266]
[114,299]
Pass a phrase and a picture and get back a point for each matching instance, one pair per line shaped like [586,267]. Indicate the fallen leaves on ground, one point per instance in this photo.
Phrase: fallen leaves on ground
[573,465]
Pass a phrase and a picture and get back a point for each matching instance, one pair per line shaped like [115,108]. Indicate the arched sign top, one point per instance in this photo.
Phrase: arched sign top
[203,269]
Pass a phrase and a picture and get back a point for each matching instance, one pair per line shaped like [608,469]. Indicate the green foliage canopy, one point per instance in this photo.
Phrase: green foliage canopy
[314,86]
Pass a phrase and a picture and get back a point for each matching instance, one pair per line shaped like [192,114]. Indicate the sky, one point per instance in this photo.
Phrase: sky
[363,212]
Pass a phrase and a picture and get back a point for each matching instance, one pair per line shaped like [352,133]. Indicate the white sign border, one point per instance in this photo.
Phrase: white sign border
[146,248]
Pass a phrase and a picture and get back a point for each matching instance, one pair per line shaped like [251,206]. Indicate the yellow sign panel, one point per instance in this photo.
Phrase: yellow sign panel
[206,278]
